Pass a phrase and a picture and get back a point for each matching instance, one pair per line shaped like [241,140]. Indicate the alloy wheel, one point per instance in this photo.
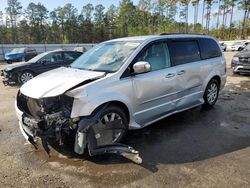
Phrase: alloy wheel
[212,93]
[109,117]
[26,77]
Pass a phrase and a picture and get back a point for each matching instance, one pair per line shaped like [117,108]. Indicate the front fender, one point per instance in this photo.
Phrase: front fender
[84,106]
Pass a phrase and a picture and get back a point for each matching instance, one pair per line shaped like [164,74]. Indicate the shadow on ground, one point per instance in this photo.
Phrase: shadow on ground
[193,135]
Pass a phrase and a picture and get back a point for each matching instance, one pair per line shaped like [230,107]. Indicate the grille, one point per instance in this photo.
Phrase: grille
[38,107]
[244,60]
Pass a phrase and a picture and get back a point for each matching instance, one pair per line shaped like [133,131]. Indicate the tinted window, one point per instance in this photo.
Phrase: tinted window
[184,51]
[156,55]
[209,48]
[69,56]
[53,57]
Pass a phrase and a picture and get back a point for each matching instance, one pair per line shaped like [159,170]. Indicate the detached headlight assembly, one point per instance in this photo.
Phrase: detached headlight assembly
[235,59]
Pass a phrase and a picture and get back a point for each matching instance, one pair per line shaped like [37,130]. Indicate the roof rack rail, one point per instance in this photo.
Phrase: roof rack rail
[182,34]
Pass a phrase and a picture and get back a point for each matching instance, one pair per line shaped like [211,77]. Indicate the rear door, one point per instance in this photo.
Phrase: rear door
[185,55]
[69,57]
[154,91]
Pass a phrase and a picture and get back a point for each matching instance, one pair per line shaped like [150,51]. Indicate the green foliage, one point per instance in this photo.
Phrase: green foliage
[95,24]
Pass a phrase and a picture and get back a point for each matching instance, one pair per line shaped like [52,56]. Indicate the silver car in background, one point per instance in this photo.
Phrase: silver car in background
[121,84]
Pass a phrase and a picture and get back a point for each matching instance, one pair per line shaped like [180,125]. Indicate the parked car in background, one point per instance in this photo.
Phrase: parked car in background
[80,49]
[20,54]
[122,84]
[223,46]
[22,72]
[241,61]
[237,46]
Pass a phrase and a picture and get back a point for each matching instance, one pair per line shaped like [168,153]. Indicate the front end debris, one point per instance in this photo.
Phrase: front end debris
[50,118]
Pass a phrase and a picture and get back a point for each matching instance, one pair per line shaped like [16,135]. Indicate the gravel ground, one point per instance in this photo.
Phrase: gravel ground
[196,148]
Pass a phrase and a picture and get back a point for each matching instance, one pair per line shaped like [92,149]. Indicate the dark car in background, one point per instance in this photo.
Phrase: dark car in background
[22,72]
[241,61]
[20,54]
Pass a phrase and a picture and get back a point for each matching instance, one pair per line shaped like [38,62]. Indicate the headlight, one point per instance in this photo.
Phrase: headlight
[8,69]
[235,59]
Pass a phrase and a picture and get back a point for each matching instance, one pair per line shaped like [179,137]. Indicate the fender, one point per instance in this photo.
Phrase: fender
[85,107]
[209,77]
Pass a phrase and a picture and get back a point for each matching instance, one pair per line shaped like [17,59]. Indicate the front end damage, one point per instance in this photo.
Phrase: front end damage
[8,78]
[50,118]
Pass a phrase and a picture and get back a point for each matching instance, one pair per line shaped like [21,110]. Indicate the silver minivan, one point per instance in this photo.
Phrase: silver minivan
[121,84]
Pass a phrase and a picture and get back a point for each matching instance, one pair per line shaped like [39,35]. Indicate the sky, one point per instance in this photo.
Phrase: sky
[51,4]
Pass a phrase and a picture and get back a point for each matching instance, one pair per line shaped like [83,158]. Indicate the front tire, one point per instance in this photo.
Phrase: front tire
[211,93]
[25,76]
[111,113]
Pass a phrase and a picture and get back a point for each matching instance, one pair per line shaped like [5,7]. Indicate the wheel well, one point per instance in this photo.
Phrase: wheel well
[27,70]
[21,72]
[217,78]
[116,103]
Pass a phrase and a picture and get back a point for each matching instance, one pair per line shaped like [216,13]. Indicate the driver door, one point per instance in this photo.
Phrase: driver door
[51,61]
[154,91]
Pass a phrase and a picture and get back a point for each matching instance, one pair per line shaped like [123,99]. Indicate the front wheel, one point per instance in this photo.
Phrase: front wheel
[112,113]
[25,76]
[211,93]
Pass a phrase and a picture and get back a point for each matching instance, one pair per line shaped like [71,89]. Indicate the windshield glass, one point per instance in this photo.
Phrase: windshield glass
[247,47]
[18,50]
[37,58]
[106,57]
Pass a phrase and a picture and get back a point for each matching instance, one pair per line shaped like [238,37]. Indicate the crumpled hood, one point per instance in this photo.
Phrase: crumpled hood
[243,53]
[57,82]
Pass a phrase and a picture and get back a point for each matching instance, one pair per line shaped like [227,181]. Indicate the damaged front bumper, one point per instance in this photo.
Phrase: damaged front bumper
[24,130]
[87,133]
[8,78]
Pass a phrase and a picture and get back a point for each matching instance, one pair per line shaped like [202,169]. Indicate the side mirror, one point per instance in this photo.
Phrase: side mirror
[141,67]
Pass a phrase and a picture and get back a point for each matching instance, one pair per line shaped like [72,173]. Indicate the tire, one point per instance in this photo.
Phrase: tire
[211,93]
[108,112]
[25,76]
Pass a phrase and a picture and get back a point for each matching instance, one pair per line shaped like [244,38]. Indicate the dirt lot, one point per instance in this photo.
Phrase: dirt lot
[196,148]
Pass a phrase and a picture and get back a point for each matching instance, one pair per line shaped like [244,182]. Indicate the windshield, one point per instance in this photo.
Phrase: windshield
[18,50]
[247,47]
[37,58]
[106,57]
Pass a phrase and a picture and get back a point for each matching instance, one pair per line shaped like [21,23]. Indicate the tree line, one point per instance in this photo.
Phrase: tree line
[35,24]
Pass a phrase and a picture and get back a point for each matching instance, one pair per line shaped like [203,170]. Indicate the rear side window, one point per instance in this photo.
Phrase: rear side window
[184,51]
[71,56]
[209,48]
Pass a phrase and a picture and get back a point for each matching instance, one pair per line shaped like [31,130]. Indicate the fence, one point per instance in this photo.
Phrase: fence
[5,48]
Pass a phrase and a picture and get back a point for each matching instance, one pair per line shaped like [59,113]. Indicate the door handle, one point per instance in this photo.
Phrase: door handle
[170,75]
[181,72]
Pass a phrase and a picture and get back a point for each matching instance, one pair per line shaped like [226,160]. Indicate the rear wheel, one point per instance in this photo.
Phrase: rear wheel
[25,76]
[211,93]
